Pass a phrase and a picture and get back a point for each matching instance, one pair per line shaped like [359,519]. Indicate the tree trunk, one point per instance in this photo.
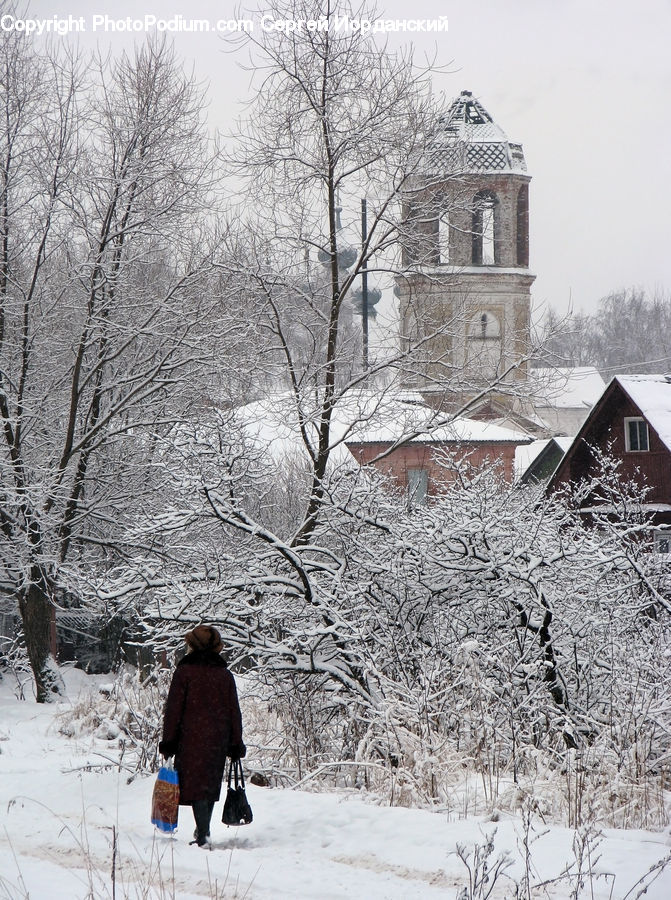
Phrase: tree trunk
[37,614]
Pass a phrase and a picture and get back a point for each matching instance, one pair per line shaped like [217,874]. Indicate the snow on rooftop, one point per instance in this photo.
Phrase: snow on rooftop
[364,417]
[652,395]
[426,426]
[564,442]
[570,388]
[526,454]
[272,422]
[468,120]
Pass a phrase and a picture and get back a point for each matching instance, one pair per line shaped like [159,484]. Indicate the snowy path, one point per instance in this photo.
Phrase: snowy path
[58,824]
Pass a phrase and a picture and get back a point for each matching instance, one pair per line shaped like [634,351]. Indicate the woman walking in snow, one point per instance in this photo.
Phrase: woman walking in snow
[202,725]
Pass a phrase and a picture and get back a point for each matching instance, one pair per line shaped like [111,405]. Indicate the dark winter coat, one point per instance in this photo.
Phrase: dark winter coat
[202,723]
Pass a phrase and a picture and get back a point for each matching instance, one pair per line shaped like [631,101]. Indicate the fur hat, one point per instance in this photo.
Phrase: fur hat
[204,637]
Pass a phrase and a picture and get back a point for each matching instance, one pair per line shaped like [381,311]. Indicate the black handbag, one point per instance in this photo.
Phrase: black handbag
[237,810]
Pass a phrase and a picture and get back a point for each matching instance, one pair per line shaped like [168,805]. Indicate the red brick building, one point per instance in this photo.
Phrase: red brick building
[427,462]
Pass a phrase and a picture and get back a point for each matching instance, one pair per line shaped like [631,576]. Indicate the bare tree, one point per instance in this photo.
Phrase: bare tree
[385,635]
[102,174]
[489,630]
[382,621]
[628,333]
[335,119]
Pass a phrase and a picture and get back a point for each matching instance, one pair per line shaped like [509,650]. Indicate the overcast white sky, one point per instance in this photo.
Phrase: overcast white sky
[584,85]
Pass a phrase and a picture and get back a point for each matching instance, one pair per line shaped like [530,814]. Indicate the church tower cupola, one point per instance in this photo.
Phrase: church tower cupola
[465,289]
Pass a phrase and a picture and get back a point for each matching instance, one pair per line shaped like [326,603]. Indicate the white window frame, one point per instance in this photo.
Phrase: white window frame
[627,436]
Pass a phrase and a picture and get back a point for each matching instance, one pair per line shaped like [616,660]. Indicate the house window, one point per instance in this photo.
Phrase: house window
[663,541]
[418,486]
[636,435]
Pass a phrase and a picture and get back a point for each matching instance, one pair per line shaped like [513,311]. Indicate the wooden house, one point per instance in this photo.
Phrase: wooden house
[631,422]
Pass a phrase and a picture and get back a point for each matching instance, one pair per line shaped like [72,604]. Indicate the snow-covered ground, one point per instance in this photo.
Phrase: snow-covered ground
[71,830]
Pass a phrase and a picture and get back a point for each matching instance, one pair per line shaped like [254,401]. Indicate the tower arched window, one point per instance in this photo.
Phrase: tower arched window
[523,226]
[485,212]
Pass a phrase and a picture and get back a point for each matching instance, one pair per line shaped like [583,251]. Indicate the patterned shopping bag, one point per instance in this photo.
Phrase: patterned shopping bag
[165,799]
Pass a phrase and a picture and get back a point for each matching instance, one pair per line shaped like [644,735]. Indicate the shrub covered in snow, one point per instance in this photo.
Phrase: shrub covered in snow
[487,645]
[125,714]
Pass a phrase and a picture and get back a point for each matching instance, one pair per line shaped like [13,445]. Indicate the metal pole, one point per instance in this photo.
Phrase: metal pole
[364,287]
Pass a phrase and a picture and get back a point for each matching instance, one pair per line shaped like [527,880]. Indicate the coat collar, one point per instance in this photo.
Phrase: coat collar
[203,658]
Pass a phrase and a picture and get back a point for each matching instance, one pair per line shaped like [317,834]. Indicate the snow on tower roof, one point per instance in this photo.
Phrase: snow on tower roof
[467,139]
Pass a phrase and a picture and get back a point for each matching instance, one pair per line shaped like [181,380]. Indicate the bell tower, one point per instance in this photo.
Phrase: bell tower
[465,291]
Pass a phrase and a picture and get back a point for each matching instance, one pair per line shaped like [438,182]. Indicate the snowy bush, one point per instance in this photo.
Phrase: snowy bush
[480,650]
[127,714]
